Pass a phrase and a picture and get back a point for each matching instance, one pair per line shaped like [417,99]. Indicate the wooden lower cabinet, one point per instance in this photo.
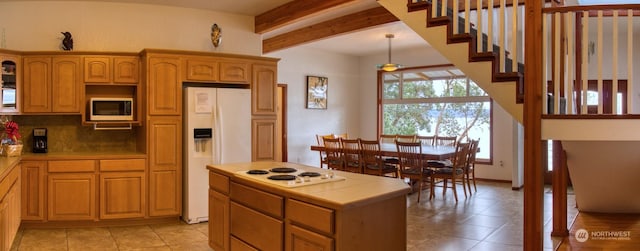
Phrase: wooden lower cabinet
[164,197]
[218,220]
[300,239]
[9,208]
[123,188]
[244,215]
[122,195]
[72,196]
[165,165]
[33,190]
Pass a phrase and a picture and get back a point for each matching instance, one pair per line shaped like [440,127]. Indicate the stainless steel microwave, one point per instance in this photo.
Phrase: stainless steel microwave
[111,109]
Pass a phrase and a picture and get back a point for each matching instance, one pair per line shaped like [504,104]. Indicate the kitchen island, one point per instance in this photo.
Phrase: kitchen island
[343,211]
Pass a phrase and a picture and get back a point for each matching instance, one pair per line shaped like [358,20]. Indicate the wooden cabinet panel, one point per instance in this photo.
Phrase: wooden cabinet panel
[9,207]
[122,195]
[67,166]
[165,193]
[165,165]
[165,143]
[113,165]
[37,84]
[111,69]
[164,86]
[219,182]
[300,239]
[263,90]
[66,85]
[218,220]
[97,69]
[263,232]
[126,70]
[202,70]
[312,216]
[263,139]
[267,203]
[234,72]
[33,189]
[9,215]
[237,245]
[71,196]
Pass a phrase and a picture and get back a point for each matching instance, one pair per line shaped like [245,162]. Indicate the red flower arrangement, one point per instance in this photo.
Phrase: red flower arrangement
[12,134]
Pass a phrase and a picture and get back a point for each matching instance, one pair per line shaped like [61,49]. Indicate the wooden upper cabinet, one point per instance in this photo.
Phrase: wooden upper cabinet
[111,69]
[66,85]
[234,72]
[201,70]
[164,90]
[52,84]
[97,69]
[37,84]
[126,70]
[263,89]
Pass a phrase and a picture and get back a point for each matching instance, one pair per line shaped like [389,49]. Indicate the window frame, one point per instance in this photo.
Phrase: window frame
[381,102]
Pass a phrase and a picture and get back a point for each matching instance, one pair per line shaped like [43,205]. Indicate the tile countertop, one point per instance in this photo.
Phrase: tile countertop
[354,191]
[7,164]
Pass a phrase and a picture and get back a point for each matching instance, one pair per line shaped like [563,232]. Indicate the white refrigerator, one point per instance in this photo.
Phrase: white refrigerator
[217,129]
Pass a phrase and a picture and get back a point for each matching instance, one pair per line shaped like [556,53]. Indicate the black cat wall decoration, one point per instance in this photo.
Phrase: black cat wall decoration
[67,41]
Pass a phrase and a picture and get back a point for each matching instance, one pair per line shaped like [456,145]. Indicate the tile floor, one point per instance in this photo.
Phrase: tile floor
[490,219]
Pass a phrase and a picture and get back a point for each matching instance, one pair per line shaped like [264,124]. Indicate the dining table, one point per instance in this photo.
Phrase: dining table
[428,152]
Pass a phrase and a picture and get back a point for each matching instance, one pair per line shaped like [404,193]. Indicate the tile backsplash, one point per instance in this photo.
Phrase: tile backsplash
[65,133]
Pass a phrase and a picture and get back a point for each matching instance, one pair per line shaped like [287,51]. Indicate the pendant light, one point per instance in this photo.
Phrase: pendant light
[389,66]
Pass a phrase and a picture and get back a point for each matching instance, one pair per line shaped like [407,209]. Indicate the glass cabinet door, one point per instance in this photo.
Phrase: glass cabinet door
[9,82]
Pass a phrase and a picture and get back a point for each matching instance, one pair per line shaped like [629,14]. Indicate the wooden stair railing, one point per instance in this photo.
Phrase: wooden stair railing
[474,56]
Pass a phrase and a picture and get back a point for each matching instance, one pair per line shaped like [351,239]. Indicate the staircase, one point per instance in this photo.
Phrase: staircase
[600,148]
[460,50]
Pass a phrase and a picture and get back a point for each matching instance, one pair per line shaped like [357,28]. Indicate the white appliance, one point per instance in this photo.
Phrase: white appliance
[217,129]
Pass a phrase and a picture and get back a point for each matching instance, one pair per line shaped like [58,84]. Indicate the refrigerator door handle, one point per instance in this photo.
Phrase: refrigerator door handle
[217,149]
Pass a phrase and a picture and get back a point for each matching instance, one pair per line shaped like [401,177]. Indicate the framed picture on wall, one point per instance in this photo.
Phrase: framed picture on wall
[317,92]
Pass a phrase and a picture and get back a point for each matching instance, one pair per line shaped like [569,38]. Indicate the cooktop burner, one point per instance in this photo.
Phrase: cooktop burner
[282,177]
[291,177]
[309,174]
[257,172]
[283,170]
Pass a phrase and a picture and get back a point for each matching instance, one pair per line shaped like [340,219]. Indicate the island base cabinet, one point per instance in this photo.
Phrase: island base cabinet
[262,231]
[300,239]
[71,196]
[218,221]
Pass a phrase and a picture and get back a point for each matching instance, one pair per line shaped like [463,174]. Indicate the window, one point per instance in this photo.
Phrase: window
[436,101]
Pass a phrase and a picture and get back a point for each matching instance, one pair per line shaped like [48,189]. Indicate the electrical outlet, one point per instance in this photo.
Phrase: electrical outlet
[501,163]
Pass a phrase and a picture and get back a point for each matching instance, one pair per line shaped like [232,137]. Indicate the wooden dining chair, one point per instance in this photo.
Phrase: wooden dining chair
[426,140]
[372,161]
[387,138]
[445,140]
[471,165]
[341,136]
[406,138]
[411,167]
[352,153]
[454,173]
[335,156]
[323,154]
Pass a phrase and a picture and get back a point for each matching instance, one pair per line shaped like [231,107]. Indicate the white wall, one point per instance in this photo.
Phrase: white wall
[342,113]
[105,26]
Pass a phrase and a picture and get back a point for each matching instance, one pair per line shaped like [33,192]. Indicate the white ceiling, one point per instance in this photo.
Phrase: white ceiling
[362,43]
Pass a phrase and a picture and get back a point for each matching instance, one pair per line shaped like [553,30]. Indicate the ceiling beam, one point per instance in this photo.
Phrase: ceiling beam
[333,27]
[291,12]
